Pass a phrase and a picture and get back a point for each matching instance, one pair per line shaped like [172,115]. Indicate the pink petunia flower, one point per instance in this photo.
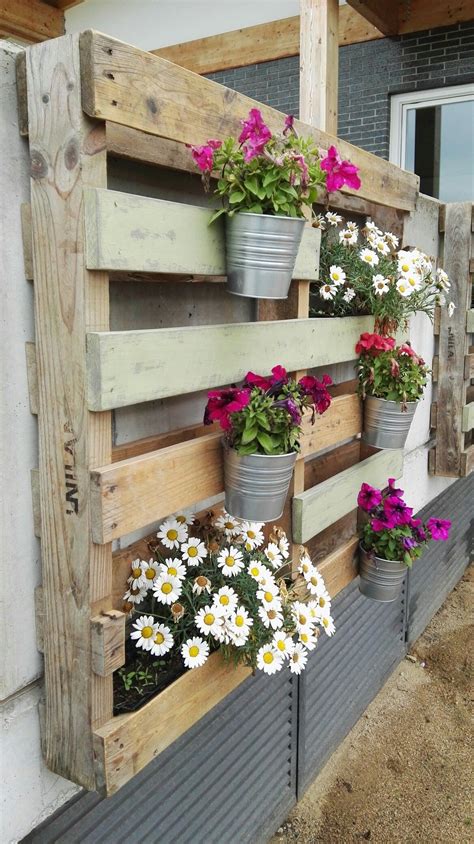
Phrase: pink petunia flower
[255,134]
[221,403]
[339,172]
[374,343]
[311,386]
[204,155]
[369,497]
[438,528]
[396,510]
[289,123]
[254,380]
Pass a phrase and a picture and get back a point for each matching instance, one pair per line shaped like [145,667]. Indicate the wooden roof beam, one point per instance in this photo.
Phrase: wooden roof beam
[30,20]
[384,14]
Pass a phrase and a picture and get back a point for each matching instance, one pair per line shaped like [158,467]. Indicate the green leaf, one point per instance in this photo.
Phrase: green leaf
[216,215]
[263,421]
[249,434]
[266,441]
[236,196]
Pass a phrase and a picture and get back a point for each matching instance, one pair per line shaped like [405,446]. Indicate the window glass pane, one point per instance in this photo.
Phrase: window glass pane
[410,140]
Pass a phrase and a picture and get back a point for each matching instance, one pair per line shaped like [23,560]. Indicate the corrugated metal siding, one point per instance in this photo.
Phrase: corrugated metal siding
[229,780]
[344,674]
[439,569]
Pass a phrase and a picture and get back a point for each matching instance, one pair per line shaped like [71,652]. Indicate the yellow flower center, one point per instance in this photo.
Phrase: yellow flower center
[268,597]
[302,619]
[136,572]
[348,235]
[322,601]
[270,555]
[326,622]
[268,657]
[229,525]
[193,650]
[402,288]
[248,546]
[166,588]
[305,568]
[281,645]
[159,638]
[251,534]
[192,551]
[224,600]
[172,534]
[304,637]
[150,574]
[412,281]
[229,561]
[255,571]
[314,581]
[181,519]
[239,621]
[172,570]
[147,632]
[209,619]
[405,267]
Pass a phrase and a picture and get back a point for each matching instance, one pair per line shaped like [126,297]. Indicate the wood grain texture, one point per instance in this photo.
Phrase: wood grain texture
[383,15]
[146,444]
[39,618]
[30,20]
[467,421]
[340,567]
[32,376]
[137,234]
[126,367]
[67,153]
[317,508]
[27,241]
[470,320]
[134,88]
[35,501]
[131,494]
[108,642]
[319,63]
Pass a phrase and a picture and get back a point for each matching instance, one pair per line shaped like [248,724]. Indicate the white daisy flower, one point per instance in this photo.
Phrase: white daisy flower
[270,598]
[137,579]
[333,218]
[337,275]
[315,583]
[202,584]
[185,518]
[271,618]
[305,565]
[382,246]
[241,622]
[174,568]
[273,555]
[151,571]
[194,652]
[405,266]
[308,638]
[371,226]
[135,595]
[443,279]
[284,547]
[194,551]
[404,288]
[226,599]
[252,534]
[162,641]
[368,256]
[348,237]
[227,524]
[230,560]
[319,222]
[353,227]
[391,239]
[328,625]
[380,284]
[349,295]
[269,660]
[314,613]
[208,620]
[266,579]
[328,291]
[167,589]
[171,533]
[301,615]
[451,309]
[298,659]
[283,643]
[144,632]
[413,281]
[323,603]
[256,570]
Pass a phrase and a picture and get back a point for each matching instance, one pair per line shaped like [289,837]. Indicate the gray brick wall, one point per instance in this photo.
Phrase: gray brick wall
[368,74]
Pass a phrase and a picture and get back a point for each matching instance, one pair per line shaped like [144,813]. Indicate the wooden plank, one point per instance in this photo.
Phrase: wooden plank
[340,568]
[64,4]
[68,302]
[383,15]
[128,86]
[108,642]
[467,462]
[25,212]
[134,233]
[467,420]
[131,494]
[320,506]
[261,43]
[32,376]
[433,415]
[421,226]
[35,501]
[453,341]
[39,618]
[319,62]
[124,142]
[430,14]
[146,444]
[470,320]
[30,20]
[435,369]
[127,367]
[469,365]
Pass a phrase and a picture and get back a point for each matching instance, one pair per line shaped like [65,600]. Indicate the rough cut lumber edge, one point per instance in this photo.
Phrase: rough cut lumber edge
[127,367]
[35,501]
[383,15]
[69,301]
[468,417]
[467,461]
[39,618]
[469,366]
[126,232]
[127,743]
[108,642]
[322,505]
[32,376]
[22,101]
[319,61]
[30,20]
[470,320]
[25,212]
[129,86]
[139,490]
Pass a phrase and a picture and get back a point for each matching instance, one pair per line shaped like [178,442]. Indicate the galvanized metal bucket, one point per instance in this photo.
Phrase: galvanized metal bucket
[386,425]
[261,253]
[379,579]
[256,485]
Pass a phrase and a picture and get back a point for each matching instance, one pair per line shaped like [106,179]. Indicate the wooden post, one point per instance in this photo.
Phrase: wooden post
[319,63]
[67,154]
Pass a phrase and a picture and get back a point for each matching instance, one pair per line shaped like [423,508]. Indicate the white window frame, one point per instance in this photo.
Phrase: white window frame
[400,103]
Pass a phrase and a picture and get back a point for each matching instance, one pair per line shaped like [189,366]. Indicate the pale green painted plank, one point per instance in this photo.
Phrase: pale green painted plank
[470,320]
[130,233]
[127,367]
[468,417]
[325,503]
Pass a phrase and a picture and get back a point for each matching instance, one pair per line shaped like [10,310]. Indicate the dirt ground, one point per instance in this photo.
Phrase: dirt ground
[404,774]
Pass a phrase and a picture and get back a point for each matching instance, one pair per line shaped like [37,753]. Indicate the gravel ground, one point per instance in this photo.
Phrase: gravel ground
[404,774]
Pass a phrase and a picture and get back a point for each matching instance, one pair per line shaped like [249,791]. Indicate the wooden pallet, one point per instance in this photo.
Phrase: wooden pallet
[83,238]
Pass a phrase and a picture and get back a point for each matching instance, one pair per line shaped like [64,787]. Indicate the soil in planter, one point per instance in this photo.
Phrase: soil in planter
[142,677]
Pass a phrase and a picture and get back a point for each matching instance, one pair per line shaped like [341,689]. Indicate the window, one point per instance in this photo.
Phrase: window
[432,134]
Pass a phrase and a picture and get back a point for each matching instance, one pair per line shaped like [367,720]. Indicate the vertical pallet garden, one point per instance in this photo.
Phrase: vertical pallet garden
[84,237]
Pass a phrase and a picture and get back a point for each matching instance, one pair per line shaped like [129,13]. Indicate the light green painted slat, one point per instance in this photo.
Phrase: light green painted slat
[127,367]
[470,320]
[468,417]
[137,234]
[324,504]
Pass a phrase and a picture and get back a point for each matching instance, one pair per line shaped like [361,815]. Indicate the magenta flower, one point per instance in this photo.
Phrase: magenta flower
[279,374]
[339,172]
[255,133]
[396,509]
[204,156]
[300,160]
[369,497]
[311,386]
[395,490]
[221,403]
[289,123]
[254,380]
[438,528]
[409,543]
[417,527]
[382,524]
[292,408]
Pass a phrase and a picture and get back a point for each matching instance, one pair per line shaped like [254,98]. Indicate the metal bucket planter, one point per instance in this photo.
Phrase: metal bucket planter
[385,424]
[261,254]
[380,579]
[256,485]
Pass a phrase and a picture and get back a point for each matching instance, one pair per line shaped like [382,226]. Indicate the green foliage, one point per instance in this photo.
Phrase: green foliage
[388,544]
[264,427]
[392,375]
[144,675]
